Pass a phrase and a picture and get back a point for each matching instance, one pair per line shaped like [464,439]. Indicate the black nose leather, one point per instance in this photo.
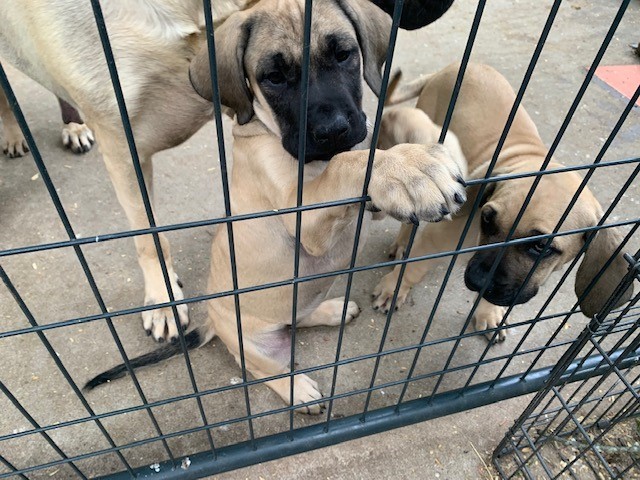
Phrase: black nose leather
[332,131]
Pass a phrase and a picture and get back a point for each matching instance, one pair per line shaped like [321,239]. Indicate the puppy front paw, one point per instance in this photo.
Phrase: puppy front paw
[414,182]
[383,293]
[489,317]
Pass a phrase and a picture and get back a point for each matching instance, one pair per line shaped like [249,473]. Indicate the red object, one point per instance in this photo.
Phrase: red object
[622,78]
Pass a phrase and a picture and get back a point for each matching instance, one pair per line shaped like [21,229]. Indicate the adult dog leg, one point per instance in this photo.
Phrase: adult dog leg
[76,136]
[267,350]
[159,322]
[14,144]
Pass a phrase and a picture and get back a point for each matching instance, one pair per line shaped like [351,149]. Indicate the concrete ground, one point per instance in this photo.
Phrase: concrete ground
[188,188]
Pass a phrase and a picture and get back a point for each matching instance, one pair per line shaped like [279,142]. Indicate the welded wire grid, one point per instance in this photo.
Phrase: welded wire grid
[419,391]
[586,429]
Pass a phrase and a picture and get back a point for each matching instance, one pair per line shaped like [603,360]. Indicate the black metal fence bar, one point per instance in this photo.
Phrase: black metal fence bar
[588,240]
[336,273]
[397,12]
[475,25]
[581,359]
[512,114]
[302,147]
[348,428]
[215,88]
[128,131]
[202,393]
[546,161]
[90,240]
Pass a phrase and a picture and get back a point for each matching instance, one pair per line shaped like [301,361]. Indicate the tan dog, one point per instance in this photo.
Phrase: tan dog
[409,182]
[162,60]
[56,43]
[76,136]
[479,117]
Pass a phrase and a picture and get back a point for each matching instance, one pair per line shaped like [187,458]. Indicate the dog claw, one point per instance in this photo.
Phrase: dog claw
[414,219]
[458,198]
[461,181]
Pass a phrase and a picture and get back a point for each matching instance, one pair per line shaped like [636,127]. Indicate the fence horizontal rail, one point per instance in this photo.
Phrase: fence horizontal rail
[93,239]
[308,278]
[621,327]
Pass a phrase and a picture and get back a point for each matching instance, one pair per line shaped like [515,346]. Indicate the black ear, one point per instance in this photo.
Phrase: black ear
[600,250]
[372,29]
[231,43]
[416,13]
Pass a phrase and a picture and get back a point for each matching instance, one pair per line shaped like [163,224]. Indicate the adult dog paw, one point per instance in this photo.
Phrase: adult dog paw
[77,137]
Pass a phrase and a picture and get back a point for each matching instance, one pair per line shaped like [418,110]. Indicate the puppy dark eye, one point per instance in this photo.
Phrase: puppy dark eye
[538,248]
[343,55]
[275,78]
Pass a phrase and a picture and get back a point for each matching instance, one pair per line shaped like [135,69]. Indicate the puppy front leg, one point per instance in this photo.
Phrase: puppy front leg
[14,144]
[430,239]
[399,245]
[489,316]
[159,322]
[408,182]
[424,244]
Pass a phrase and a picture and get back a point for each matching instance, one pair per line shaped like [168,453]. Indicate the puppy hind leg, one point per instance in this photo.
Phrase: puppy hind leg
[76,136]
[14,145]
[329,313]
[266,353]
[158,322]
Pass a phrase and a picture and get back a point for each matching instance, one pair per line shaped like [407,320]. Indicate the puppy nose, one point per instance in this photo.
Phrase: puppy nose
[333,131]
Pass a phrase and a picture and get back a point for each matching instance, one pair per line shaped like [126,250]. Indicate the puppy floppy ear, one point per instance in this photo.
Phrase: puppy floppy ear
[231,43]
[600,250]
[372,27]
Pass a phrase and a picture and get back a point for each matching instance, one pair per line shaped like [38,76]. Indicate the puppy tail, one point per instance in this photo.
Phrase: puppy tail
[399,92]
[193,339]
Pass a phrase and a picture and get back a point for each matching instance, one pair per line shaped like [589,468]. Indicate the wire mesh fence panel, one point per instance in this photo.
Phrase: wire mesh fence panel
[462,309]
[585,429]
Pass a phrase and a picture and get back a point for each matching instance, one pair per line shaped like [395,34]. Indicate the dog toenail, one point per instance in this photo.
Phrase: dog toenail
[413,219]
[458,198]
[161,340]
[148,332]
[461,181]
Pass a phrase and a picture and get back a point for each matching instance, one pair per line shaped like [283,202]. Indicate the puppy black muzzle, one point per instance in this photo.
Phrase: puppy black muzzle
[500,288]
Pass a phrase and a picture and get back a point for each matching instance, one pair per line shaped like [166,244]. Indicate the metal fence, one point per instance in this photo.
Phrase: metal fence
[587,428]
[421,391]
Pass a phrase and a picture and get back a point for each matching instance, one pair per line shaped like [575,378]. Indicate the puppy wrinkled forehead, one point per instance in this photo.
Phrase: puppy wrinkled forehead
[278,29]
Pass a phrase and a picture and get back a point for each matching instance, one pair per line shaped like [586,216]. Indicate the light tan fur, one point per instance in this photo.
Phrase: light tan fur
[56,43]
[479,117]
[406,180]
